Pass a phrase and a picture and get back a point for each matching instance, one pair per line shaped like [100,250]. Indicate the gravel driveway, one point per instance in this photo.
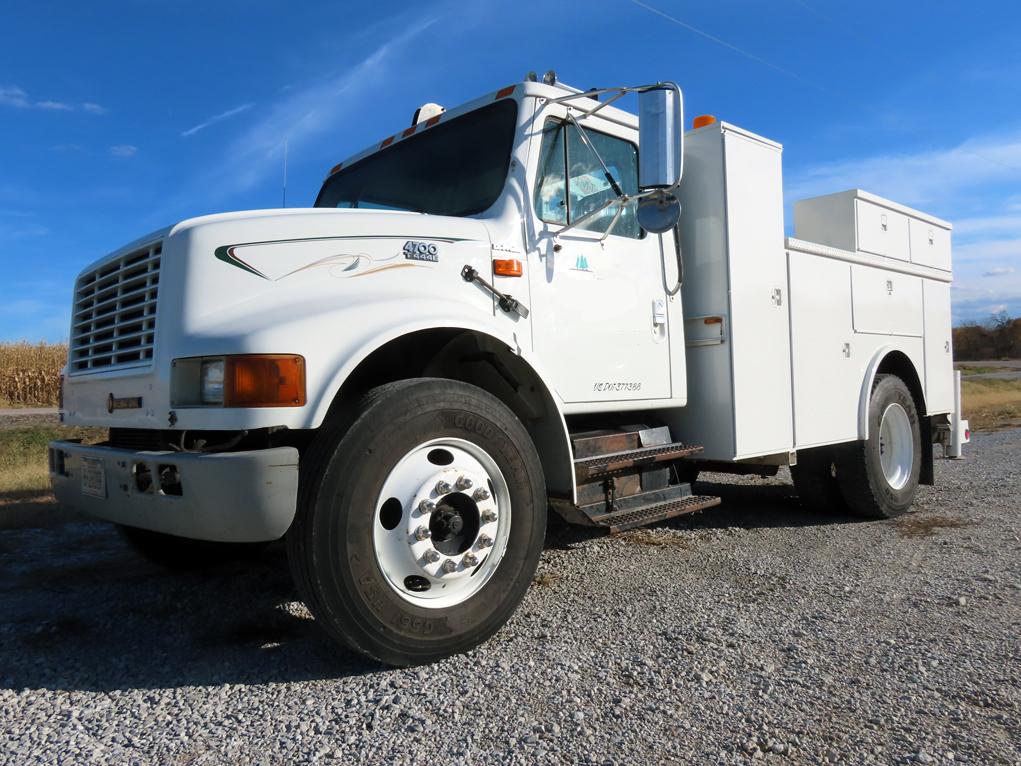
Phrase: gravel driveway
[753,632]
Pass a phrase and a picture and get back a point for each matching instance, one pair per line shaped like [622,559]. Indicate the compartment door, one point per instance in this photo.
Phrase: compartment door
[930,245]
[939,367]
[759,316]
[882,231]
[885,302]
[827,381]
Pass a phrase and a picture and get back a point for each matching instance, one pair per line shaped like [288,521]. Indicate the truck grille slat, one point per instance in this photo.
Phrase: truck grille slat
[114,323]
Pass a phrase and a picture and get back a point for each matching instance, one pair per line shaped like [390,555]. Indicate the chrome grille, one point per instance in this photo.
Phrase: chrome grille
[113,321]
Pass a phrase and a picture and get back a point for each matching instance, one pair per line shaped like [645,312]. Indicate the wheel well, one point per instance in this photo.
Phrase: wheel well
[483,361]
[897,363]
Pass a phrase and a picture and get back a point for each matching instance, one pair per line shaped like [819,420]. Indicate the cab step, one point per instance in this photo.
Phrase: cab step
[646,508]
[604,465]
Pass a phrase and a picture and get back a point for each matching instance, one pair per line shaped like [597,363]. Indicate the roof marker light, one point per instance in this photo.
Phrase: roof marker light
[702,120]
[408,131]
[504,92]
[432,121]
[386,142]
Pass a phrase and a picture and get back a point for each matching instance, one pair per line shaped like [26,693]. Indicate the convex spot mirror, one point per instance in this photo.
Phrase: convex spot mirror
[660,137]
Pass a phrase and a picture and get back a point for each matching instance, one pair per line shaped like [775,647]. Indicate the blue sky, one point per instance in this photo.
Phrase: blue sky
[117,118]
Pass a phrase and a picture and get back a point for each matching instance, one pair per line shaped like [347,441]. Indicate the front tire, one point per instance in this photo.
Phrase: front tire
[396,555]
[879,476]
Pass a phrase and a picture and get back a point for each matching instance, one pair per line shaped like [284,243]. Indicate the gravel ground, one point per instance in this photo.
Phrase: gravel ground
[754,632]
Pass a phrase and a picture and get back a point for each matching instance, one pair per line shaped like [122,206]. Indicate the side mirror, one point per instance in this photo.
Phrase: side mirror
[660,137]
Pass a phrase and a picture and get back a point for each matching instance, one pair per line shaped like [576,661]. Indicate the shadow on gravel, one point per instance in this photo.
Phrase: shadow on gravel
[79,610]
[746,506]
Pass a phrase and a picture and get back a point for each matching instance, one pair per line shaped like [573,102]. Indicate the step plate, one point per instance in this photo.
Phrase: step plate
[640,517]
[604,465]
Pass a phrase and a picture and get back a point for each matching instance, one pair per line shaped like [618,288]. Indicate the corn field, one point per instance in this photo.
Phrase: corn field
[30,373]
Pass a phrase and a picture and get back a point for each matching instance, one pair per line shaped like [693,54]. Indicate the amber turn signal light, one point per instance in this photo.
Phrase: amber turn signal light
[507,267]
[702,120]
[264,380]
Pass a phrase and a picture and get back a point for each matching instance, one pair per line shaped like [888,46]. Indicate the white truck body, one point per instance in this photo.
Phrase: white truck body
[772,346]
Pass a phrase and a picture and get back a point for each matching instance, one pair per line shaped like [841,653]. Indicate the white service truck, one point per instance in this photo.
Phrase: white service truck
[507,306]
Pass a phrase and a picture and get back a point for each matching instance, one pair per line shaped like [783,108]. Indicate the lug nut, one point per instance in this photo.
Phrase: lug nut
[432,556]
[463,483]
[442,487]
[485,541]
[470,560]
[427,506]
[481,494]
[488,516]
[422,533]
[448,566]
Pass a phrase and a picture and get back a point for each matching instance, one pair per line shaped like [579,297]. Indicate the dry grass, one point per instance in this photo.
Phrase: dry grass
[24,470]
[30,373]
[991,403]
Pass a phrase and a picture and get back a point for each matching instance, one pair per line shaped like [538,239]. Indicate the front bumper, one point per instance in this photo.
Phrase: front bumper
[238,497]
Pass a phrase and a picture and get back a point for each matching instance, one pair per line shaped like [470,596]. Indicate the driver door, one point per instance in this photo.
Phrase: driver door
[599,304]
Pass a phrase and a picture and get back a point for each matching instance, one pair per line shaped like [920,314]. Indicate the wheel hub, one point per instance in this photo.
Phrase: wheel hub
[454,525]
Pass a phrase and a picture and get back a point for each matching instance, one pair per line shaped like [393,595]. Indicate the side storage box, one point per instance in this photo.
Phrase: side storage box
[857,221]
[736,325]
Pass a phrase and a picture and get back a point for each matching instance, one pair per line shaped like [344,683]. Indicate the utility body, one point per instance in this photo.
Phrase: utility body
[504,307]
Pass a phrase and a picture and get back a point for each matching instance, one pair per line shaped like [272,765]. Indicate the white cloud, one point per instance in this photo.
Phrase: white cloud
[123,150]
[53,106]
[921,178]
[222,116]
[305,112]
[998,271]
[13,96]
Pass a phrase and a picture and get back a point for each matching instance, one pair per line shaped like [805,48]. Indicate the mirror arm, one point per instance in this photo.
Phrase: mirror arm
[585,139]
[587,216]
[616,217]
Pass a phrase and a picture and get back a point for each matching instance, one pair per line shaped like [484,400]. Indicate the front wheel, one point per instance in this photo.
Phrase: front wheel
[419,527]
[879,476]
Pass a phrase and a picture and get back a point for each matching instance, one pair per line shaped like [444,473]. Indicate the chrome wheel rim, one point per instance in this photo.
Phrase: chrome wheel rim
[896,446]
[441,523]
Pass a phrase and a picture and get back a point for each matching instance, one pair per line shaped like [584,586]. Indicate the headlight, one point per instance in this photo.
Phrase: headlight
[243,380]
[212,381]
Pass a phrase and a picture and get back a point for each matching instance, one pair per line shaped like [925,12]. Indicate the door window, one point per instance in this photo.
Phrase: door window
[565,155]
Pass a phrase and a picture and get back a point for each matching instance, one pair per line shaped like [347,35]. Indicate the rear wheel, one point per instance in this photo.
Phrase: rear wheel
[419,527]
[879,476]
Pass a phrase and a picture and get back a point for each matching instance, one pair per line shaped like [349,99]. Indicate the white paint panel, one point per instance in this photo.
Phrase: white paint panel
[885,302]
[758,302]
[882,231]
[930,244]
[939,367]
[827,372]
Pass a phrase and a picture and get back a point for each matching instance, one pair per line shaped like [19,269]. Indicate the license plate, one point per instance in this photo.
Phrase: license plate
[93,477]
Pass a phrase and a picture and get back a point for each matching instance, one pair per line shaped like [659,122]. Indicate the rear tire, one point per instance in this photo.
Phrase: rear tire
[879,476]
[815,480]
[183,553]
[365,493]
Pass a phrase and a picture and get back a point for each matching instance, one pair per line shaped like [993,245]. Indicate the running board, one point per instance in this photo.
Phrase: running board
[605,465]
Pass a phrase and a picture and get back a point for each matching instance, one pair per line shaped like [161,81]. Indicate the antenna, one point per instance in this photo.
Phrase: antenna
[285,173]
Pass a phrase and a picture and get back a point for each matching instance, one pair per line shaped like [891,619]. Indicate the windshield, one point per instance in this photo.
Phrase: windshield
[455,168]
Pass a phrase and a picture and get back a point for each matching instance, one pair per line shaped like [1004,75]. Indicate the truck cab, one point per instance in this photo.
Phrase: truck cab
[504,307]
